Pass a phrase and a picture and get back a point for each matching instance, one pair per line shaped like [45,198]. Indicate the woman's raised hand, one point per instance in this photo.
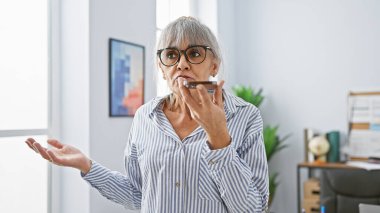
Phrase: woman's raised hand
[208,112]
[61,154]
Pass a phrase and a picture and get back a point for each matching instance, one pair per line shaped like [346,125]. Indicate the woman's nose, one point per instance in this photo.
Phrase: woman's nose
[183,64]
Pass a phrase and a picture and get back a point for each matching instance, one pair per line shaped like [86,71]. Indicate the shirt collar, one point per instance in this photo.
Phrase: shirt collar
[232,104]
[156,103]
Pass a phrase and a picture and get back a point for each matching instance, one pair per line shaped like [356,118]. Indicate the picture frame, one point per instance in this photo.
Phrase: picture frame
[126,77]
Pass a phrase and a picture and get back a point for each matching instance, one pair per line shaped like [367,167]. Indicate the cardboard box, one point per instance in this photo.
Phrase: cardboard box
[312,189]
[311,205]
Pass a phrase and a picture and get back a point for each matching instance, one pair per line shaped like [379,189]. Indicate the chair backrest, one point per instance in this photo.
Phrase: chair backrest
[342,190]
[366,208]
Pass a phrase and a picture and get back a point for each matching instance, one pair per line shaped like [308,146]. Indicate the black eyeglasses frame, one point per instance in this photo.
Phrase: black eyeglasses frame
[184,53]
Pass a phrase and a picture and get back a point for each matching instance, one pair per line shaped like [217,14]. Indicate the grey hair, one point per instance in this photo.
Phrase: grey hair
[187,29]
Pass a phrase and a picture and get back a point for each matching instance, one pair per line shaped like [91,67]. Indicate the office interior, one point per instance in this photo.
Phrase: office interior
[307,56]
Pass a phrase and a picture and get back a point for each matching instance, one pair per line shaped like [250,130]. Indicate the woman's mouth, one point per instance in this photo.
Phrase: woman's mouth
[187,78]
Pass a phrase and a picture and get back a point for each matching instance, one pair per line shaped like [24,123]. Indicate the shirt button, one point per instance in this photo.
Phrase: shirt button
[177,184]
[211,162]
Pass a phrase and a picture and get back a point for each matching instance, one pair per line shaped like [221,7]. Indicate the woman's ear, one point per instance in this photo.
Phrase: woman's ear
[214,68]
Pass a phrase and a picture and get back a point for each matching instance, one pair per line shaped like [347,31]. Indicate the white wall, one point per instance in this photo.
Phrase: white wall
[132,21]
[306,55]
[227,39]
[86,27]
[73,193]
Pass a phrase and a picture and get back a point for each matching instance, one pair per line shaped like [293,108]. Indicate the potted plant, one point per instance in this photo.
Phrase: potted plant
[273,143]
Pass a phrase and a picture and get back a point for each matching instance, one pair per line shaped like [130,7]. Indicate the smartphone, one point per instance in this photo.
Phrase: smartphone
[210,85]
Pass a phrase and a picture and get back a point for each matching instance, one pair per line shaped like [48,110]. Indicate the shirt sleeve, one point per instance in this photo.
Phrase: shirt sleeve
[241,174]
[114,186]
[124,189]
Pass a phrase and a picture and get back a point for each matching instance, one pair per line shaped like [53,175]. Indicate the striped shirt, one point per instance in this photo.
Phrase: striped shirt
[165,174]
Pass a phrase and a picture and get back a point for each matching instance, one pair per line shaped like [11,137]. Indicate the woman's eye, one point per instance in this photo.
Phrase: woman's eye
[194,54]
[171,55]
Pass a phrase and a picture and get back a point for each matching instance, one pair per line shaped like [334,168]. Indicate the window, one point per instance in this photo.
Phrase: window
[24,177]
[24,108]
[167,11]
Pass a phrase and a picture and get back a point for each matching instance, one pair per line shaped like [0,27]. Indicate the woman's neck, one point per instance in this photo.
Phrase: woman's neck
[178,106]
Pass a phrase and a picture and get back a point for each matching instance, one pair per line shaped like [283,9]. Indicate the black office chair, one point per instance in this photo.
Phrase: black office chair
[342,190]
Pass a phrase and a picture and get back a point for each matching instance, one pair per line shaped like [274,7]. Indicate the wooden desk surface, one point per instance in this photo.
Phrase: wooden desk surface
[326,165]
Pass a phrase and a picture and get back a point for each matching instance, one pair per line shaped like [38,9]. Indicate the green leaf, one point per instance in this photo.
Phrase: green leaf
[273,183]
[271,141]
[248,94]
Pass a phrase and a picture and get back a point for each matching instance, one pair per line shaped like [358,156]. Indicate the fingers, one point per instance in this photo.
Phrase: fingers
[55,143]
[42,151]
[48,154]
[218,95]
[30,145]
[30,142]
[203,95]
[54,158]
[186,96]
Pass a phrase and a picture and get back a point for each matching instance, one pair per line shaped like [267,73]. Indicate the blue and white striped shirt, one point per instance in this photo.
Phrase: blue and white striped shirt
[165,174]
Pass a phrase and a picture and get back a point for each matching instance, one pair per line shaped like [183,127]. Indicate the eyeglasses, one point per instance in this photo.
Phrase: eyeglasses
[194,55]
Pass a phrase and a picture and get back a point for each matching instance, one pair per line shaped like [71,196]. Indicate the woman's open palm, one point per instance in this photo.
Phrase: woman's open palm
[61,154]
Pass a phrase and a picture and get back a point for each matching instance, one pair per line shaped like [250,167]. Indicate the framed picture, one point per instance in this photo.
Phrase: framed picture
[126,77]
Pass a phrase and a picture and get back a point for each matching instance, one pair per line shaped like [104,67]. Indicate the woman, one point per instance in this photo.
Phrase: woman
[190,151]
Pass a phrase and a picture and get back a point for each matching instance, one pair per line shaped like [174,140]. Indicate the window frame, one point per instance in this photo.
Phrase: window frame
[53,102]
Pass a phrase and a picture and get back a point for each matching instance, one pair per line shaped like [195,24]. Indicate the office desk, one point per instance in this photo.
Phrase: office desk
[311,166]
